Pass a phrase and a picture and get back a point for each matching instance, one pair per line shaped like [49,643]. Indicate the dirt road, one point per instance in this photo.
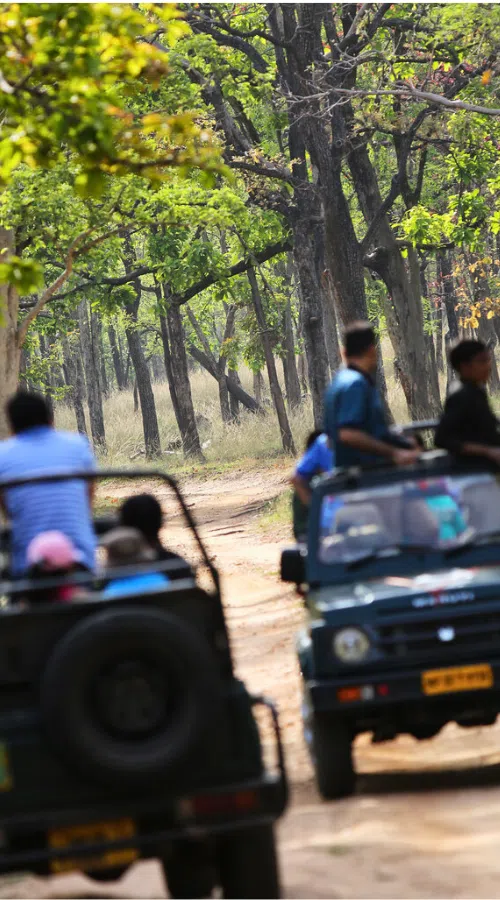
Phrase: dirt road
[426,819]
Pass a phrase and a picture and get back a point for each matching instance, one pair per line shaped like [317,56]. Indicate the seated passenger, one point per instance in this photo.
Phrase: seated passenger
[37,448]
[128,547]
[316,460]
[450,523]
[468,425]
[53,554]
[142,511]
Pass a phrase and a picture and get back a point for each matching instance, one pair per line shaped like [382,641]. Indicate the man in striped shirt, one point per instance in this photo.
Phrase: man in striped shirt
[36,448]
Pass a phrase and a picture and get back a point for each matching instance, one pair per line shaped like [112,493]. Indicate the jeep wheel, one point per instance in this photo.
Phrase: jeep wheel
[248,865]
[189,869]
[127,694]
[332,756]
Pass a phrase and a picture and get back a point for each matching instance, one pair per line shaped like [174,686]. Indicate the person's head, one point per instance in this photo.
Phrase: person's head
[126,547]
[471,360]
[52,551]
[360,345]
[142,511]
[27,409]
[312,437]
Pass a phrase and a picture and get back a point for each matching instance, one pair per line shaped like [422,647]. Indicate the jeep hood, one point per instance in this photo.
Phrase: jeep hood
[453,587]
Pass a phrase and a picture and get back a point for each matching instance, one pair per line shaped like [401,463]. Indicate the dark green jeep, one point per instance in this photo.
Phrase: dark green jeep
[401,578]
[124,734]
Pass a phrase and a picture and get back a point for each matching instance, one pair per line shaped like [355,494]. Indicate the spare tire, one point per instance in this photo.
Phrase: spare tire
[127,693]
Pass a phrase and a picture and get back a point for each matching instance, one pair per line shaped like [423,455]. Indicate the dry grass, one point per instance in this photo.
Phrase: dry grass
[254,438]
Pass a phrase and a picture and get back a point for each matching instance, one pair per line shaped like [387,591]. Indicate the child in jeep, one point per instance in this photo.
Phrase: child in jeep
[143,512]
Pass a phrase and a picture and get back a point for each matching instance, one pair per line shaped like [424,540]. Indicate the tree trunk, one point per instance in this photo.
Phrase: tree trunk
[94,396]
[9,350]
[279,404]
[135,395]
[143,383]
[143,380]
[419,282]
[302,372]
[291,376]
[179,368]
[235,389]
[74,369]
[258,387]
[116,356]
[97,338]
[311,313]
[330,320]
[234,403]
[402,305]
[168,363]
[225,408]
[445,277]
[438,320]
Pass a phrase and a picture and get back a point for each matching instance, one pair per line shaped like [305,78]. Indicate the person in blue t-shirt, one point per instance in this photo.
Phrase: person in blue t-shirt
[128,547]
[316,460]
[354,415]
[34,449]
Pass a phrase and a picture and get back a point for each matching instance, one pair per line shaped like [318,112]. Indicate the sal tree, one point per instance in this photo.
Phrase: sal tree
[69,76]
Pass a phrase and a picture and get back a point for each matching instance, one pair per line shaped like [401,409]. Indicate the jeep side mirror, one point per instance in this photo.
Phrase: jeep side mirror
[293,569]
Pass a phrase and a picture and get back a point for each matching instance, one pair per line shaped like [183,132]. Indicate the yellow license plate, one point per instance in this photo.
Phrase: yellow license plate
[461,678]
[5,776]
[100,832]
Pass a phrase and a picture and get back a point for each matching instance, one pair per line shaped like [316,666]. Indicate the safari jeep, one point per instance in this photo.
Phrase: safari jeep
[401,580]
[125,735]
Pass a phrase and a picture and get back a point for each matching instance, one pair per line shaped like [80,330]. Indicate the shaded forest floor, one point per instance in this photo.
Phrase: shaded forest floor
[426,819]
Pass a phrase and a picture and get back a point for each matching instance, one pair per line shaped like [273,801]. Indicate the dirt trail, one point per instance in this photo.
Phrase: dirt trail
[426,819]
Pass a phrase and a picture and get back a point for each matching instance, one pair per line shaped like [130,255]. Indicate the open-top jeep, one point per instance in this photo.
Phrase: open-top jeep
[401,579]
[124,733]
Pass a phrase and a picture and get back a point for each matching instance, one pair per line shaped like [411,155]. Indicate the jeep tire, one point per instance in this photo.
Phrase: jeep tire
[332,756]
[127,694]
[248,864]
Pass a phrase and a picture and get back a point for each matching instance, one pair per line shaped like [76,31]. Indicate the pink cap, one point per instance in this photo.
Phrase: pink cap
[53,550]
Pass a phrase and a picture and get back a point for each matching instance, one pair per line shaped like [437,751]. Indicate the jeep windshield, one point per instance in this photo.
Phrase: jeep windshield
[414,514]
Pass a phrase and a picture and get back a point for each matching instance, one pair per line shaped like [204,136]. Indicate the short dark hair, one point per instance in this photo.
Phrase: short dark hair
[358,338]
[142,511]
[28,409]
[311,437]
[465,351]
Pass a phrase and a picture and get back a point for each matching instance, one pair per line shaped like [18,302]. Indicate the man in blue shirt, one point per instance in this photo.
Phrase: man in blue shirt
[354,414]
[316,460]
[37,448]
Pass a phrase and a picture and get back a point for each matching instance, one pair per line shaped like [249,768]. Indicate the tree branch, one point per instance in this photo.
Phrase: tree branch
[50,291]
[238,269]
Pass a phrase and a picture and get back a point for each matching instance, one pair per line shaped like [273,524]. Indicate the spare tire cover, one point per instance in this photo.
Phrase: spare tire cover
[127,693]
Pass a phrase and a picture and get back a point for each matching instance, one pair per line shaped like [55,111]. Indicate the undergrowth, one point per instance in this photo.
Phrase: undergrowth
[253,440]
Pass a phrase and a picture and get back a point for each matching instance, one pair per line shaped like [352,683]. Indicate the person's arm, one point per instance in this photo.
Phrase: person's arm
[360,440]
[351,423]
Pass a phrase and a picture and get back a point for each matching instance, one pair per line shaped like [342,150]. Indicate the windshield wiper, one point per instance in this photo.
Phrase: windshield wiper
[385,552]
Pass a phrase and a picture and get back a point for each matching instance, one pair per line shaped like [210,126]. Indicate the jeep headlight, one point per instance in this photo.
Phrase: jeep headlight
[350,645]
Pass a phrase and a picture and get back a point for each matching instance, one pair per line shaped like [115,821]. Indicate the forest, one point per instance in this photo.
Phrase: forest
[204,195]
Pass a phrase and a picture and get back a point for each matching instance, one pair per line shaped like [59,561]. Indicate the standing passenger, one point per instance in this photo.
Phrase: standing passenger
[354,414]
